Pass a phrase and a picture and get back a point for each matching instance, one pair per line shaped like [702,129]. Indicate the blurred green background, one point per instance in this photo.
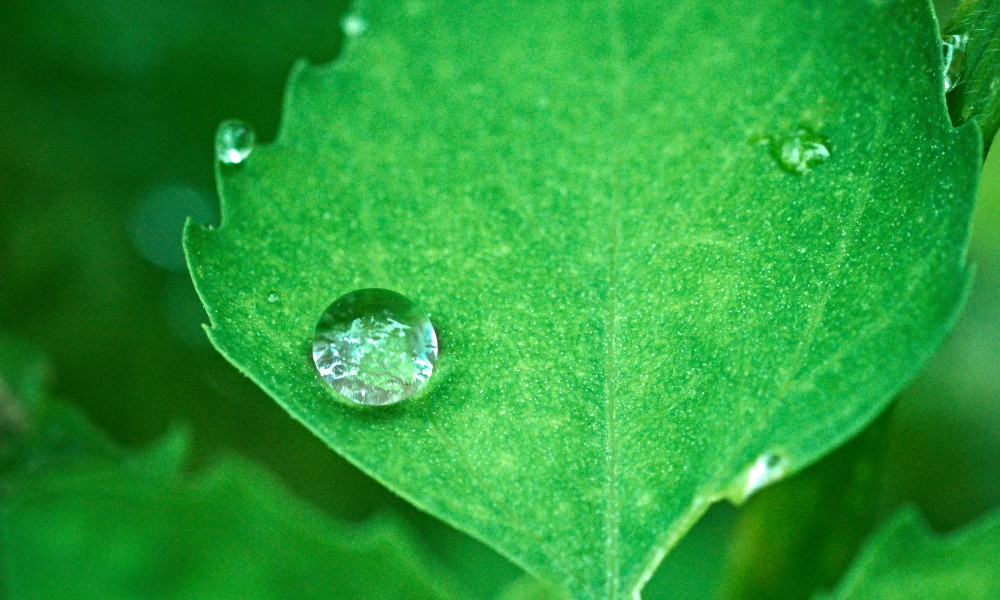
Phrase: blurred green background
[107,115]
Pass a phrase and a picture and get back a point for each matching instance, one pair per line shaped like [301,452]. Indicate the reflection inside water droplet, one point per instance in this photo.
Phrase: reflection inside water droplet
[953,47]
[800,151]
[272,297]
[767,469]
[234,141]
[375,347]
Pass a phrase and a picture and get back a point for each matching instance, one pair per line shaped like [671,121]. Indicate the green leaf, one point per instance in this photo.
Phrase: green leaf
[230,532]
[905,560]
[476,568]
[801,535]
[527,588]
[635,301]
[130,524]
[37,430]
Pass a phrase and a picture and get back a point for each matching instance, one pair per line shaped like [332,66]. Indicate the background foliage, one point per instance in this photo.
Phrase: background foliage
[108,115]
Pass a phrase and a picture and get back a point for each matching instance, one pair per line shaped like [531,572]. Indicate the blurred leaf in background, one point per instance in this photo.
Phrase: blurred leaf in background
[109,110]
[229,531]
[80,518]
[37,431]
[904,559]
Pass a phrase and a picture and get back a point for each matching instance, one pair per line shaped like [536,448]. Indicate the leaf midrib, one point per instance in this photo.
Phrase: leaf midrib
[612,520]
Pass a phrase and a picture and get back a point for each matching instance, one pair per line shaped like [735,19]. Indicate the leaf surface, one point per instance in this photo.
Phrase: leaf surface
[905,559]
[635,301]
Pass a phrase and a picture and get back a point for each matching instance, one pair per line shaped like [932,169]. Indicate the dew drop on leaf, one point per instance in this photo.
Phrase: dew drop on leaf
[273,297]
[234,141]
[375,347]
[800,151]
[767,469]
[953,47]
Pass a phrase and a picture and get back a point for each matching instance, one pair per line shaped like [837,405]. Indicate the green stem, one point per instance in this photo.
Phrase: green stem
[975,69]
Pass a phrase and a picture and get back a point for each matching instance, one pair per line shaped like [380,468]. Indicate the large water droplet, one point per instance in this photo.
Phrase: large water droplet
[375,347]
[953,47]
[234,141]
[801,151]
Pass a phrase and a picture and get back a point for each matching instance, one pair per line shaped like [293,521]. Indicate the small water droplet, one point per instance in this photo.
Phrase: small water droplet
[354,25]
[768,468]
[234,141]
[272,297]
[800,151]
[375,347]
[953,47]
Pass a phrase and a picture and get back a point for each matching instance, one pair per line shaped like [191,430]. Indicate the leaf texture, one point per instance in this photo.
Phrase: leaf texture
[638,294]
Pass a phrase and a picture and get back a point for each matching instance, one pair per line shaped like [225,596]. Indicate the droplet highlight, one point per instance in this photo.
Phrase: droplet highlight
[234,141]
[768,468]
[953,47]
[354,25]
[273,297]
[801,151]
[375,347]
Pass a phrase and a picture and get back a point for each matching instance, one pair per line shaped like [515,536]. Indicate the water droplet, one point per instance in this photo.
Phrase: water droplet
[953,47]
[272,297]
[375,347]
[768,468]
[801,151]
[354,25]
[234,141]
